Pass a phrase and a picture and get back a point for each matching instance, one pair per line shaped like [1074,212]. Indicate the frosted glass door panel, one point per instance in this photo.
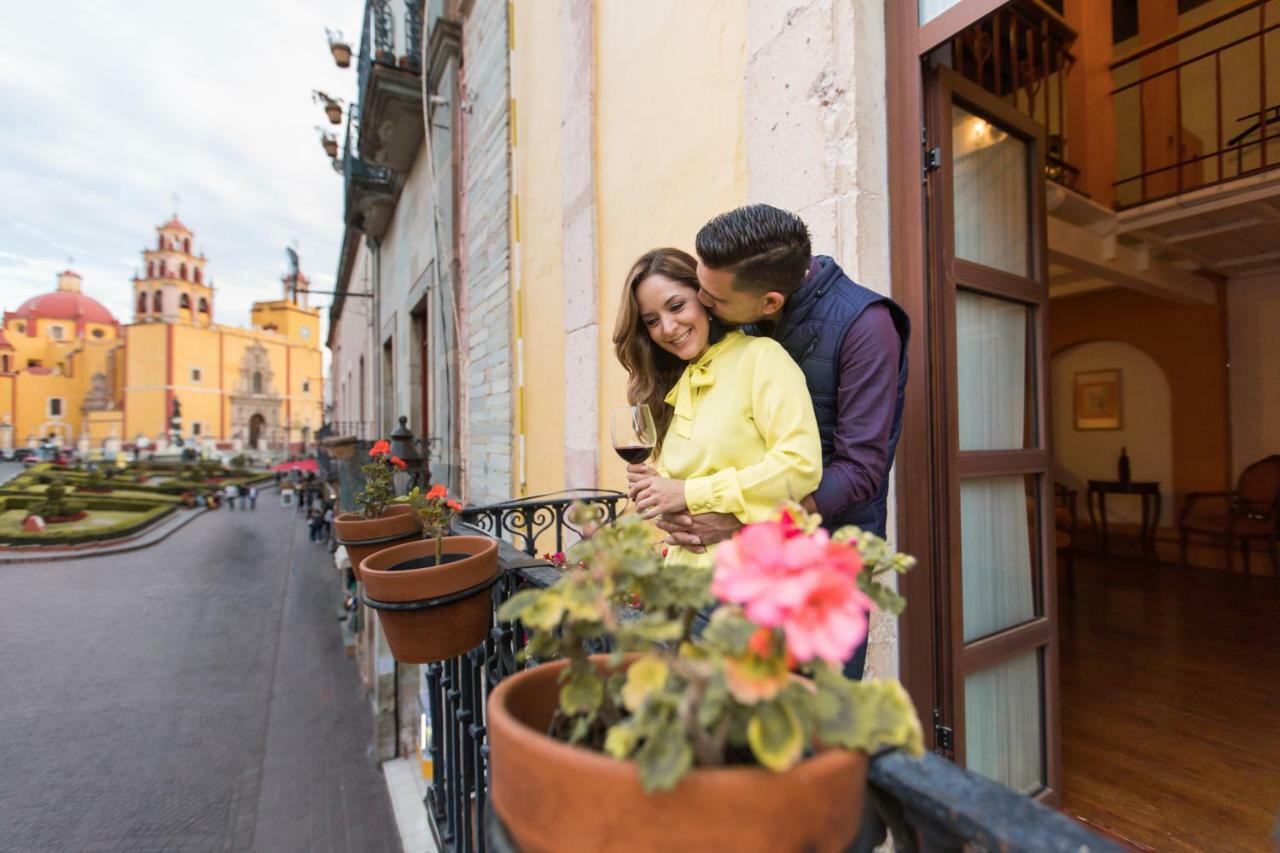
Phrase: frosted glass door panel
[930,9]
[996,534]
[989,189]
[1004,728]
[991,372]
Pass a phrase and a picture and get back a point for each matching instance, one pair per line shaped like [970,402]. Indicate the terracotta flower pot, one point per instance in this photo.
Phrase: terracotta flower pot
[334,112]
[555,797]
[450,605]
[341,54]
[364,536]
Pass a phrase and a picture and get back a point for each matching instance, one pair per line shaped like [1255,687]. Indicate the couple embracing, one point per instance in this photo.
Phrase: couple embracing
[771,376]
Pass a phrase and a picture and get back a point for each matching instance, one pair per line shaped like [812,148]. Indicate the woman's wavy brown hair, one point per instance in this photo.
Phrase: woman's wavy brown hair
[653,371]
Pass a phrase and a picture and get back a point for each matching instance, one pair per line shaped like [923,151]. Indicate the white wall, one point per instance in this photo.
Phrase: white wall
[1147,434]
[1253,314]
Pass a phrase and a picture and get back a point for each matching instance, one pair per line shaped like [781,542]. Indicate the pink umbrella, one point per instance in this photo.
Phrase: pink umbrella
[298,465]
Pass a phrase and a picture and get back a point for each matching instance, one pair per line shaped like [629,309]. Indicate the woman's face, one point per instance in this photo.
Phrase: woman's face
[675,318]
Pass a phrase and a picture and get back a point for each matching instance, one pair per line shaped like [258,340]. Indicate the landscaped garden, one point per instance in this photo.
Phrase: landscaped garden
[76,505]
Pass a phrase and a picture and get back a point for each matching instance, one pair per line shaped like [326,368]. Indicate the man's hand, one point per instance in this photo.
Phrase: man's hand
[696,532]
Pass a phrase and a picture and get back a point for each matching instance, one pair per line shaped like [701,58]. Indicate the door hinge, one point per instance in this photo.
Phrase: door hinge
[943,737]
[932,159]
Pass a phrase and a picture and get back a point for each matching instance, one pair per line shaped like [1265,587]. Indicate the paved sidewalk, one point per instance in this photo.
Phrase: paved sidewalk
[191,696]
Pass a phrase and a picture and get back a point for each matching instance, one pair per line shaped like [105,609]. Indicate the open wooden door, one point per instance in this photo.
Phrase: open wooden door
[988,293]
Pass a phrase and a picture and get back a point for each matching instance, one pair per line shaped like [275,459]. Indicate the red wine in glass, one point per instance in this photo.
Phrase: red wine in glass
[633,432]
[635,454]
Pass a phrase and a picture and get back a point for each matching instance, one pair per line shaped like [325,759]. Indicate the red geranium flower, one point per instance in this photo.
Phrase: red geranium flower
[399,463]
[379,448]
[454,505]
[437,491]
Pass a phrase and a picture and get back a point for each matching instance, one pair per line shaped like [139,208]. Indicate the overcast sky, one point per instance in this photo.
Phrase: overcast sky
[109,110]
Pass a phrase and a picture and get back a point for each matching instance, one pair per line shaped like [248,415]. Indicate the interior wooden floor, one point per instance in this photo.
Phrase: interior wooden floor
[1171,705]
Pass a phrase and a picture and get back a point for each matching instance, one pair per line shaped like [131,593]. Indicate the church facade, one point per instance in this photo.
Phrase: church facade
[73,375]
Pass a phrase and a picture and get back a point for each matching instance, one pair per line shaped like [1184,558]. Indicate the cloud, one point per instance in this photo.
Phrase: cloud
[211,102]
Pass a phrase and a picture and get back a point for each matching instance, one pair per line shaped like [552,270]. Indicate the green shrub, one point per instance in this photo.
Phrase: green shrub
[56,504]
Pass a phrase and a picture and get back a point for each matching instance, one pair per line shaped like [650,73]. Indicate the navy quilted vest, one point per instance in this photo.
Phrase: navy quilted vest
[813,325]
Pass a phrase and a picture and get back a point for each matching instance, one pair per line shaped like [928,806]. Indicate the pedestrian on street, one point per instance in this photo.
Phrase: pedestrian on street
[328,522]
[253,497]
[314,521]
[218,496]
[233,492]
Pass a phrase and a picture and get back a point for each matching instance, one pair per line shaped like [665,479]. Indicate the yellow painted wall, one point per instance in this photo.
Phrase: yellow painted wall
[670,147]
[537,91]
[201,401]
[145,380]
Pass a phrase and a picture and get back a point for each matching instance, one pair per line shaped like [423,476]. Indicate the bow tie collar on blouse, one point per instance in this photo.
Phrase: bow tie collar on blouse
[698,374]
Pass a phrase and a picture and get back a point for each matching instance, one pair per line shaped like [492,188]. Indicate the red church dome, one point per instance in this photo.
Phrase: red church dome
[64,305]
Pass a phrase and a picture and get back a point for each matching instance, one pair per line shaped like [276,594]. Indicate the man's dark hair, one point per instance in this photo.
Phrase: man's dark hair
[765,248]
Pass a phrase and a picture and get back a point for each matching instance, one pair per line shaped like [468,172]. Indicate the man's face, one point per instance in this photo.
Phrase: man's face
[731,306]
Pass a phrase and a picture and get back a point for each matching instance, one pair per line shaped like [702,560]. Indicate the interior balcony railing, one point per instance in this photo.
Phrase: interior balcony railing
[1022,53]
[1199,108]
[927,805]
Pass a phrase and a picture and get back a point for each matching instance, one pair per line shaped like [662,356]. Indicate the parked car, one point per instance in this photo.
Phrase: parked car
[22,454]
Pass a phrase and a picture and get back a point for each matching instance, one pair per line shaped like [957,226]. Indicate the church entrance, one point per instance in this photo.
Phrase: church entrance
[256,425]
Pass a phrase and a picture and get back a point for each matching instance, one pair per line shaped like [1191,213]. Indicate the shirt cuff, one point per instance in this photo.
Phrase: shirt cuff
[717,492]
[830,497]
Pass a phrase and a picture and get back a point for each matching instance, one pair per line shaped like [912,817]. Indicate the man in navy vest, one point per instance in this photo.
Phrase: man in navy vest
[756,270]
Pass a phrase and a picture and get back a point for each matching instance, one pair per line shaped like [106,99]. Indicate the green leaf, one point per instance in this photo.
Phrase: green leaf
[517,604]
[646,676]
[714,701]
[544,613]
[866,715]
[621,739]
[664,758]
[775,736]
[582,693]
[581,726]
[729,630]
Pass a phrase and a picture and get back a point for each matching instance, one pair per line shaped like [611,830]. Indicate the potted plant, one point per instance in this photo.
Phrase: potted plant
[744,737]
[339,48]
[379,523]
[330,144]
[432,596]
[332,106]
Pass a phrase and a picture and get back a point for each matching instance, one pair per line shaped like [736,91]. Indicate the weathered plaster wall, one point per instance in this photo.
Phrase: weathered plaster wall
[670,151]
[538,81]
[487,307]
[816,132]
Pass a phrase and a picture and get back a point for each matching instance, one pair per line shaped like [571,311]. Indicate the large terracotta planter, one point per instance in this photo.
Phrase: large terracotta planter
[555,797]
[431,613]
[364,536]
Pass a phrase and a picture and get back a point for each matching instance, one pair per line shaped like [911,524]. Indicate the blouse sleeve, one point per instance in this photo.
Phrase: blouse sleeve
[792,465]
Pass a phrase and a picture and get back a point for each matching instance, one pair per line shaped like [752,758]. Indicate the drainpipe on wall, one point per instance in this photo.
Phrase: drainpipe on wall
[375,335]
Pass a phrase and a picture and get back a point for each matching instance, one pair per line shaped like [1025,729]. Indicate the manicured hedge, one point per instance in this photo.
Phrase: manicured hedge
[54,535]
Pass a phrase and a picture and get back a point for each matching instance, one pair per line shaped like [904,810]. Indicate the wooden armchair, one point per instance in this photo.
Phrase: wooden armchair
[1251,511]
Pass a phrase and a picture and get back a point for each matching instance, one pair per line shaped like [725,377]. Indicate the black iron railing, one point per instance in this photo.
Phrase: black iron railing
[543,520]
[389,41]
[927,805]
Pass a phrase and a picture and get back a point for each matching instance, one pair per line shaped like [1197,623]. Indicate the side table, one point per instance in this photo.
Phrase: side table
[1148,490]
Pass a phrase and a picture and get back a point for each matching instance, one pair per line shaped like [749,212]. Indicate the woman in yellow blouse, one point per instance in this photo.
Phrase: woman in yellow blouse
[736,429]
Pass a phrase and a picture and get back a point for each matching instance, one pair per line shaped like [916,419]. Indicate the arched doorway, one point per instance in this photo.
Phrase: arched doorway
[256,425]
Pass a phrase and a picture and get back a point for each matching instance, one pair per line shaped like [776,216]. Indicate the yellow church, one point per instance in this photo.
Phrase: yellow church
[73,375]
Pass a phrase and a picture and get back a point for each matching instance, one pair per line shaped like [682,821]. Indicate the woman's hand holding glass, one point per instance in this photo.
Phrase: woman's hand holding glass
[653,494]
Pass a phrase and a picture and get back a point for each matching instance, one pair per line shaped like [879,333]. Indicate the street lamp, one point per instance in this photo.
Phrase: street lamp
[404,446]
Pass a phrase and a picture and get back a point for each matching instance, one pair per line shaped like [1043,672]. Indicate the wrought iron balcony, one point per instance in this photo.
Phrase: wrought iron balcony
[389,67]
[927,805]
[369,189]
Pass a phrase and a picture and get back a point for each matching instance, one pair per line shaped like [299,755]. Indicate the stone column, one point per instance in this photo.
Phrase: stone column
[580,264]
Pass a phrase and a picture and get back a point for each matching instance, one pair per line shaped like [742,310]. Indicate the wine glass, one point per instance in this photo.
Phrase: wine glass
[634,434]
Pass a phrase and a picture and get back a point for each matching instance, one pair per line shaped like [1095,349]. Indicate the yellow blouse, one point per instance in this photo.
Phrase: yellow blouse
[743,435]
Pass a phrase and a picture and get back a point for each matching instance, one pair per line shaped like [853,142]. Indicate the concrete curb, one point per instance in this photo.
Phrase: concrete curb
[406,803]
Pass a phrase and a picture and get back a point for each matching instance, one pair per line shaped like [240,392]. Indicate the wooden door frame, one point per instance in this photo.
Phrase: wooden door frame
[927,463]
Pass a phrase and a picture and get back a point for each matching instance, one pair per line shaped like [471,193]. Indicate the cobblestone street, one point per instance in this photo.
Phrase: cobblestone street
[190,696]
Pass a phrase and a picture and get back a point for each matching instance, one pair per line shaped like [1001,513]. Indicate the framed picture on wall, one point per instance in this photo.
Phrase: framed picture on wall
[1097,400]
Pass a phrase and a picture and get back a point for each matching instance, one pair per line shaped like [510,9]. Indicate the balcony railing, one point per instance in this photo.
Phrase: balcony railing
[544,519]
[1202,106]
[1022,52]
[927,805]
